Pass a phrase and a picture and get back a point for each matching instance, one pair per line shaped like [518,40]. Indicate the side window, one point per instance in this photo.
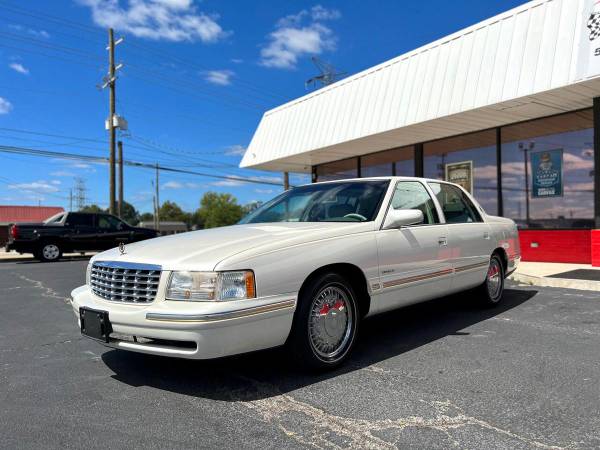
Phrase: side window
[80,220]
[455,204]
[108,222]
[413,195]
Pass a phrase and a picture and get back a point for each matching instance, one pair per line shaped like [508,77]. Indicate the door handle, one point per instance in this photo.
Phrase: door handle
[442,241]
[486,235]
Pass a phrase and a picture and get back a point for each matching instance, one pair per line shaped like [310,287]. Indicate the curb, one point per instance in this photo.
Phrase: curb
[584,285]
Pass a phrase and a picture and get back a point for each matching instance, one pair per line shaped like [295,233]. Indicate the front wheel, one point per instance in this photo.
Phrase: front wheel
[49,252]
[326,323]
[492,289]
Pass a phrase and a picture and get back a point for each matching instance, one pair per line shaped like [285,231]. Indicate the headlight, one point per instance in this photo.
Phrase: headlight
[211,286]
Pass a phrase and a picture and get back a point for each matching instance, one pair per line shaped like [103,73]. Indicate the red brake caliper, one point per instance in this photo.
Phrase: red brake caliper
[339,305]
[493,271]
[324,310]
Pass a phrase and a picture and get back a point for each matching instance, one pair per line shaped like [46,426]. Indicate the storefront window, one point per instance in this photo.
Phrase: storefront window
[548,172]
[468,160]
[398,161]
[337,170]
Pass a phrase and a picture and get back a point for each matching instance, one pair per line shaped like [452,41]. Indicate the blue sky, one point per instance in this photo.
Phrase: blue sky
[196,79]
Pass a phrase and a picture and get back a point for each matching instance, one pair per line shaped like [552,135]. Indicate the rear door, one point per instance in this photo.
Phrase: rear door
[414,263]
[469,237]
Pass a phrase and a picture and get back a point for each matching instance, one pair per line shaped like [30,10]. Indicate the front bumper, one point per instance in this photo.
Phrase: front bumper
[194,330]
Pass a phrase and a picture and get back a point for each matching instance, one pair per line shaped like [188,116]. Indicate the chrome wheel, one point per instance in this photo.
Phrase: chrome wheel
[494,279]
[331,322]
[50,252]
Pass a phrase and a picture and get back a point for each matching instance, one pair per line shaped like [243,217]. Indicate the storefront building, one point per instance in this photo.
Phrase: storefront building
[508,108]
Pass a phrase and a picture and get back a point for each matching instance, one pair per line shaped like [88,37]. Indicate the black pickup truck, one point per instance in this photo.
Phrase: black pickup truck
[73,232]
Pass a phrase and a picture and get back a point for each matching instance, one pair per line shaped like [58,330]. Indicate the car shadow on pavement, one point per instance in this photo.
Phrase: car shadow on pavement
[68,259]
[267,373]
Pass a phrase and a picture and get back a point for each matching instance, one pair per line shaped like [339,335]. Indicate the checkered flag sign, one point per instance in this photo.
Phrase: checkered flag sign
[594,25]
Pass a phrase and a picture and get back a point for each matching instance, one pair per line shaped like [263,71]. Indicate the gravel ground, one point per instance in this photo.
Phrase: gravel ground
[439,375]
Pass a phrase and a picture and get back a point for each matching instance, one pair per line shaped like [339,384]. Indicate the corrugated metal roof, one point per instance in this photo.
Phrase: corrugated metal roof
[522,64]
[11,214]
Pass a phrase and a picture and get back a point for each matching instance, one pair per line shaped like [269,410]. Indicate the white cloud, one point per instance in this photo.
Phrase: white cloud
[18,67]
[235,150]
[170,20]
[219,77]
[297,35]
[5,106]
[172,185]
[36,187]
[264,191]
[62,173]
[55,182]
[37,33]
[318,12]
[236,60]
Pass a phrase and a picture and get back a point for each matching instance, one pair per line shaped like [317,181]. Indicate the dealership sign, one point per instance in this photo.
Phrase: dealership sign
[461,173]
[546,171]
[588,62]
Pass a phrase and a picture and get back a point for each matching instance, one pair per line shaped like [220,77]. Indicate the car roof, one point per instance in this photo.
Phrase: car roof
[378,179]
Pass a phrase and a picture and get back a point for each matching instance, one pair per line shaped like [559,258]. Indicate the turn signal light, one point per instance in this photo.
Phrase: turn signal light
[14,231]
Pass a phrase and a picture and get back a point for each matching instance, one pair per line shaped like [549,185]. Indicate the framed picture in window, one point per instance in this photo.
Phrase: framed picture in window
[460,173]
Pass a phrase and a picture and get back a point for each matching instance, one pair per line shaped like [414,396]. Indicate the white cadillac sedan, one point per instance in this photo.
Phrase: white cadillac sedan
[302,270]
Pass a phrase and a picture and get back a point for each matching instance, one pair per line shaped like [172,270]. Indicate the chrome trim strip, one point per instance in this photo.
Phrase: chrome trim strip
[412,279]
[246,312]
[127,265]
[471,266]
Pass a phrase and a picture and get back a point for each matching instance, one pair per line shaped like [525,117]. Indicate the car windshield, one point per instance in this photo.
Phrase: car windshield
[348,201]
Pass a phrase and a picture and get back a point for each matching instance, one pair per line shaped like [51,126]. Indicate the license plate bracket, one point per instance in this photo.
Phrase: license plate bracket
[95,324]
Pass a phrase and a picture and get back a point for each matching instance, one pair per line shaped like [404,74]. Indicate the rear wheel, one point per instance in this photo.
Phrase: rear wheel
[492,289]
[49,252]
[326,323]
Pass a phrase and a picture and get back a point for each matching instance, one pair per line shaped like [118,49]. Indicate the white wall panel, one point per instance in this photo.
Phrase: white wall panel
[497,66]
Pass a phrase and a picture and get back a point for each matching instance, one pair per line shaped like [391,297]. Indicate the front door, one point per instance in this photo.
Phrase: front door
[469,240]
[83,234]
[414,262]
[112,231]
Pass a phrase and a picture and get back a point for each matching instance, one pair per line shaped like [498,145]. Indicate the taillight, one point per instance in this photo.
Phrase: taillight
[14,231]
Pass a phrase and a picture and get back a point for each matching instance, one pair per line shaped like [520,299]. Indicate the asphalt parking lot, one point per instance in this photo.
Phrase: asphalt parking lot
[440,375]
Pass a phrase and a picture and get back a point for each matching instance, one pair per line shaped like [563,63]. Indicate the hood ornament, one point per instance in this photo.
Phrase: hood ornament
[121,248]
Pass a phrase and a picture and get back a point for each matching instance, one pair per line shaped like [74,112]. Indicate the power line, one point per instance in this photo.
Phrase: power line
[98,159]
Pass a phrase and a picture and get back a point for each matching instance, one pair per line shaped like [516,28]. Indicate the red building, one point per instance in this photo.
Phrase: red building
[12,214]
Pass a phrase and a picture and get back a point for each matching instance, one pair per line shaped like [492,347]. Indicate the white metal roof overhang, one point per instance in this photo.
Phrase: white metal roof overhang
[532,61]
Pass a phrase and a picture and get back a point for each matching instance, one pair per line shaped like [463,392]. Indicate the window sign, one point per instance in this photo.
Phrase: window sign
[546,177]
[461,173]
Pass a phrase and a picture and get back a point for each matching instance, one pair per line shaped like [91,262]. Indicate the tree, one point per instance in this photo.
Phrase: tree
[171,211]
[130,214]
[249,207]
[218,210]
[146,217]
[93,208]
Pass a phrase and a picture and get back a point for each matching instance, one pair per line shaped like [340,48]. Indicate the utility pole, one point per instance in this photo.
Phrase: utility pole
[286,181]
[120,146]
[80,193]
[71,199]
[157,217]
[111,118]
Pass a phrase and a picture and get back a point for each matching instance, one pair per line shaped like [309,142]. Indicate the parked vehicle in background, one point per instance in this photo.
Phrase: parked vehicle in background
[73,232]
[303,269]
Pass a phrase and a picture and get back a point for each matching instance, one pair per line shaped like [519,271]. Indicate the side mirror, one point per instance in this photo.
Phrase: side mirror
[397,218]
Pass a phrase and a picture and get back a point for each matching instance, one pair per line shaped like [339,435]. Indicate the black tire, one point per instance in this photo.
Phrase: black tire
[491,290]
[49,252]
[340,319]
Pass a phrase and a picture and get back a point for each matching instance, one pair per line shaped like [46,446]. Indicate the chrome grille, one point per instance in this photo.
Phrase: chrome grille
[125,282]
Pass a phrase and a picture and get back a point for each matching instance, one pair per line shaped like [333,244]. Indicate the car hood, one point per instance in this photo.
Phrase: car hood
[204,249]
